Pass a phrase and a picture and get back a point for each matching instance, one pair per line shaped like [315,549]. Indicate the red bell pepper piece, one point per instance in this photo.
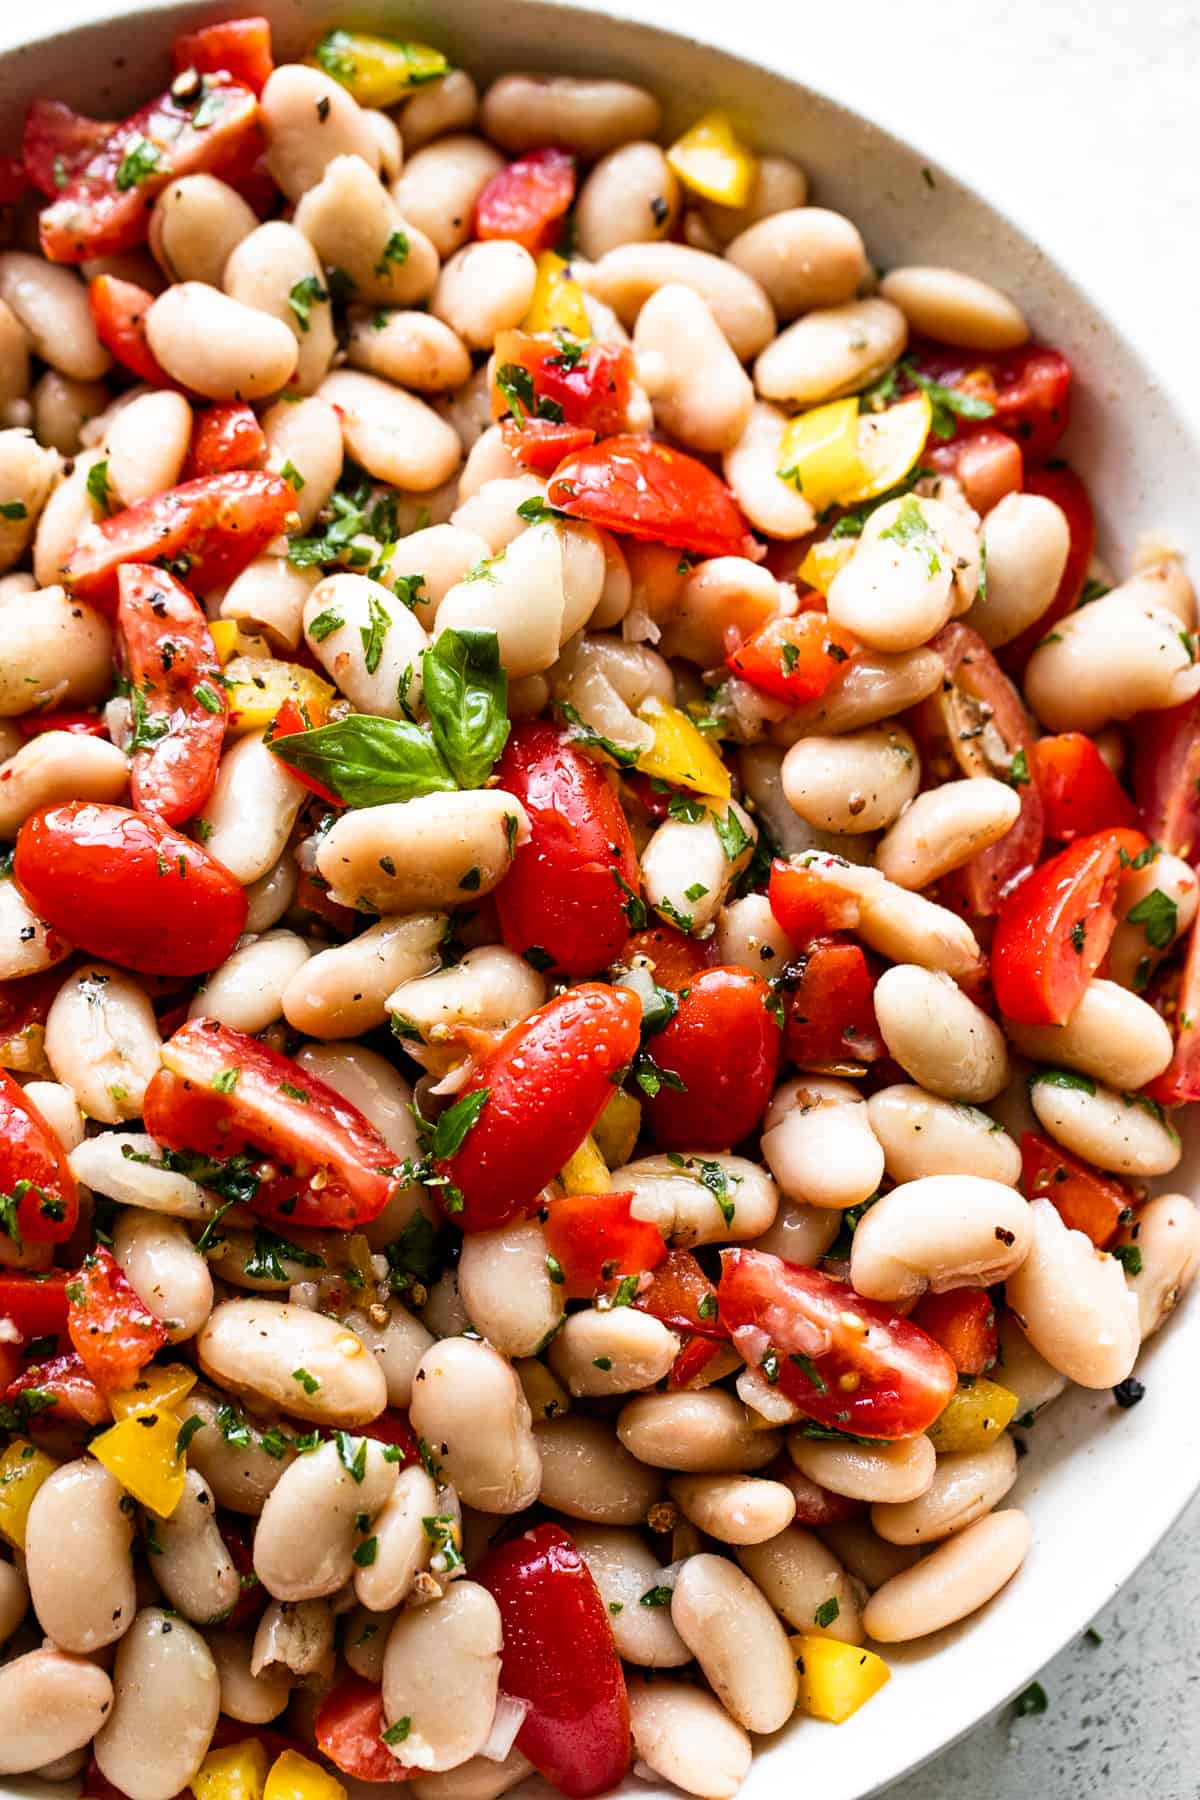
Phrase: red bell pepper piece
[540,382]
[1166,777]
[963,1322]
[719,1056]
[348,1728]
[119,311]
[239,48]
[682,1296]
[795,659]
[39,1197]
[34,1301]
[988,463]
[525,202]
[1087,1200]
[113,1333]
[829,1007]
[806,905]
[1080,793]
[225,437]
[169,656]
[75,1398]
[57,143]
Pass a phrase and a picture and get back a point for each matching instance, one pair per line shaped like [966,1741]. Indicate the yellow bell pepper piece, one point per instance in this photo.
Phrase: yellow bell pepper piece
[22,1472]
[680,754]
[378,71]
[557,303]
[835,1678]
[824,560]
[818,453]
[261,684]
[545,1397]
[142,1451]
[616,1130]
[889,444]
[155,1390]
[974,1417]
[25,1051]
[585,1172]
[225,634]
[239,1772]
[294,1777]
[712,160]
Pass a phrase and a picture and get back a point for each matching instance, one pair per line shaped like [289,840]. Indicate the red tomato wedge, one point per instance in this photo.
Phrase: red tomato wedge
[348,1728]
[820,1330]
[794,659]
[963,1322]
[722,1047]
[206,530]
[676,956]
[829,1018]
[224,438]
[541,444]
[36,1303]
[1180,1080]
[58,142]
[559,1655]
[695,1356]
[178,693]
[682,1296]
[114,1334]
[392,1427]
[589,388]
[347,1173]
[83,724]
[105,206]
[526,201]
[76,1397]
[1080,793]
[1087,1200]
[239,48]
[568,889]
[1066,490]
[547,1082]
[1166,777]
[1054,929]
[119,311]
[1028,390]
[39,1198]
[806,905]
[989,465]
[632,484]
[14,180]
[596,1240]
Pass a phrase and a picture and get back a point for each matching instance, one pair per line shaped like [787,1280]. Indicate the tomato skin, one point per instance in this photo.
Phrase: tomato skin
[963,1322]
[241,48]
[100,870]
[806,906]
[548,1081]
[596,1240]
[217,524]
[83,724]
[225,437]
[682,1296]
[1180,1080]
[35,1303]
[1086,1199]
[58,141]
[1080,793]
[815,1505]
[988,463]
[114,1334]
[644,489]
[392,1427]
[724,1044]
[525,202]
[347,1729]
[1066,490]
[345,1168]
[119,311]
[1029,389]
[559,1655]
[1054,929]
[794,659]
[30,1152]
[562,892]
[592,393]
[905,1379]
[676,956]
[77,1398]
[829,1007]
[1166,777]
[541,444]
[169,656]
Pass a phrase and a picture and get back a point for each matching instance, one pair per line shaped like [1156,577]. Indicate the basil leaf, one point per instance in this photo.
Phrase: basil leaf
[466,695]
[367,761]
[1063,1078]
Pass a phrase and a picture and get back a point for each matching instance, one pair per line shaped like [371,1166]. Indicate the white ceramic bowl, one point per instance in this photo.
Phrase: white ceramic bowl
[1101,1485]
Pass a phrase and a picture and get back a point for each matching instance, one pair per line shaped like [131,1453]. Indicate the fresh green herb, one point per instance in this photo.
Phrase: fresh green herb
[652,1079]
[413,1256]
[1129,1257]
[826,1613]
[1032,1702]
[829,1434]
[142,160]
[291,474]
[681,920]
[948,404]
[626,1290]
[1092,1636]
[352,1453]
[395,253]
[373,633]
[910,528]
[656,1596]
[554,1270]
[1092,590]
[1018,770]
[515,384]
[396,1734]
[303,297]
[602,1362]
[325,624]
[225,1080]
[466,695]
[407,589]
[633,906]
[231,1423]
[733,836]
[294,1093]
[624,755]
[446,1136]
[266,1262]
[683,806]
[368,761]
[186,1433]
[809,1368]
[442,1532]
[708,1306]
[1158,916]
[712,1176]
[1063,1078]
[1079,936]
[308,1382]
[535,511]
[366,1553]
[615,1607]
[429,1462]
[768,1368]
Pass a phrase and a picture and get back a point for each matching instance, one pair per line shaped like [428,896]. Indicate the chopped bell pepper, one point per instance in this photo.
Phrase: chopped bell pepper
[377,71]
[238,1772]
[616,1130]
[835,1678]
[259,685]
[585,1172]
[155,1390]
[22,1472]
[294,1777]
[557,303]
[681,754]
[824,560]
[889,444]
[230,640]
[974,1417]
[142,1451]
[818,453]
[712,160]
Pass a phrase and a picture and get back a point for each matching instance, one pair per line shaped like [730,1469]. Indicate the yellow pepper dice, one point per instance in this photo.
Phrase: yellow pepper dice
[22,1472]
[712,160]
[889,446]
[586,1172]
[818,453]
[616,1130]
[294,1777]
[239,1772]
[155,1390]
[681,755]
[836,1678]
[824,560]
[142,1452]
[557,303]
[259,685]
[974,1417]
[378,71]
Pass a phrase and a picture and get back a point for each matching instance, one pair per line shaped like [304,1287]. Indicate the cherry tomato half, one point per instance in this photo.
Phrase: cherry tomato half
[178,693]
[525,202]
[829,1007]
[645,489]
[239,48]
[794,659]
[348,1728]
[114,1334]
[75,1397]
[1180,1080]
[35,1301]
[722,1047]
[119,311]
[596,1240]
[35,1176]
[57,142]
[225,437]
[682,1296]
[963,1322]
[1166,777]
[1080,793]
[588,389]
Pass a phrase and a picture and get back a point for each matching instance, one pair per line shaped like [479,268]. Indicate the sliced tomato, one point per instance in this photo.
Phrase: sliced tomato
[596,1240]
[963,1322]
[206,531]
[829,1018]
[225,437]
[1028,390]
[1166,777]
[589,388]
[1066,490]
[721,1054]
[348,1728]
[897,1378]
[392,1427]
[83,724]
[288,721]
[178,693]
[58,142]
[525,202]
[39,1194]
[239,48]
[35,1301]
[570,888]
[25,1002]
[1080,793]
[645,489]
[547,1082]
[541,444]
[114,1334]
[1180,1080]
[988,464]
[695,1357]
[808,906]
[682,1296]
[237,1534]
[128,888]
[815,1505]
[119,311]
[676,956]
[1086,1199]
[794,659]
[76,1397]
[105,206]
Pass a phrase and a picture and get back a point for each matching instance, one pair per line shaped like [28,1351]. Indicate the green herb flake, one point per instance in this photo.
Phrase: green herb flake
[225,1080]
[826,1613]
[308,1382]
[1158,916]
[1032,1702]
[140,162]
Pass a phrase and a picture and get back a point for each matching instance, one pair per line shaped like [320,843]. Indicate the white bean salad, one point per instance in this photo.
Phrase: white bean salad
[596,947]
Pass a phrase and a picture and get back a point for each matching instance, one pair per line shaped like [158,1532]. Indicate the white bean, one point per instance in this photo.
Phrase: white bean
[341,992]
[956,1579]
[506,1288]
[255,1347]
[305,1540]
[166,1698]
[965,1486]
[53,652]
[56,766]
[194,225]
[27,473]
[309,119]
[246,992]
[446,105]
[685,1736]
[702,396]
[468,1405]
[440,185]
[1111,1035]
[102,1041]
[751,467]
[589,116]
[904,927]
[297,1639]
[51,304]
[1107,661]
[684,856]
[402,1544]
[354,226]
[736,1638]
[276,270]
[1071,1301]
[916,563]
[1166,1232]
[440,556]
[944,828]
[923,1134]
[27,944]
[398,1343]
[736,1509]
[800,1576]
[1132,958]
[492,515]
[426,852]
[864,1555]
[938,1036]
[307,434]
[62,406]
[252,808]
[626,277]
[855,783]
[66,516]
[241,1475]
[126,1166]
[15,377]
[479,1778]
[779,185]
[192,1564]
[831,351]
[395,436]
[441,1672]
[631,196]
[1025,539]
[521,596]
[366,639]
[1119,1131]
[60,1109]
[483,289]
[891,1473]
[77,1522]
[219,346]
[800,1233]
[942,1231]
[624,1568]
[491,989]
[818,1143]
[251,1699]
[615,1351]
[587,1473]
[955,308]
[412,349]
[1026,1372]
[706,1432]
[164,1269]
[803,258]
[678,1197]
[50,1704]
[750,937]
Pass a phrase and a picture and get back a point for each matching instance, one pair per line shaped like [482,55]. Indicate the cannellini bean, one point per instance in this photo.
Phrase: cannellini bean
[942,1231]
[724,595]
[1107,661]
[60,1109]
[483,289]
[398,1343]
[218,346]
[67,514]
[77,1522]
[1026,1373]
[195,223]
[736,1638]
[490,989]
[624,1569]
[440,185]
[779,185]
[800,1233]
[306,433]
[165,1271]
[523,111]
[441,1671]
[587,1473]
[240,1475]
[890,1473]
[469,409]
[102,1041]
[507,1290]
[955,308]
[956,1579]
[402,1543]
[631,196]
[521,596]
[276,270]
[298,1639]
[62,406]
[916,563]
[1166,1232]
[944,828]
[799,1575]
[353,225]
[818,1143]
[1111,1035]
[246,992]
[749,936]
[252,808]
[964,1487]
[255,1347]
[736,1509]
[1132,958]
[904,927]
[706,1432]
[874,686]
[305,1540]
[479,1778]
[27,944]
[615,1351]
[27,474]
[469,1405]
[395,436]
[50,1704]
[678,1197]
[388,142]
[702,395]
[426,852]
[751,467]
[1026,539]
[251,1699]
[865,1556]
[938,1036]
[685,1736]
[369,1082]
[489,459]
[626,277]
[923,1134]
[492,514]
[831,351]
[803,258]
[364,1641]
[50,303]
[1072,1302]
[341,992]
[412,349]
[856,783]
[193,1566]
[1119,1131]
[446,105]
[53,652]
[126,1166]
[309,119]
[366,638]
[166,1694]
[15,377]
[762,785]
[682,857]
[443,1311]
[439,557]
[57,766]
[1161,582]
